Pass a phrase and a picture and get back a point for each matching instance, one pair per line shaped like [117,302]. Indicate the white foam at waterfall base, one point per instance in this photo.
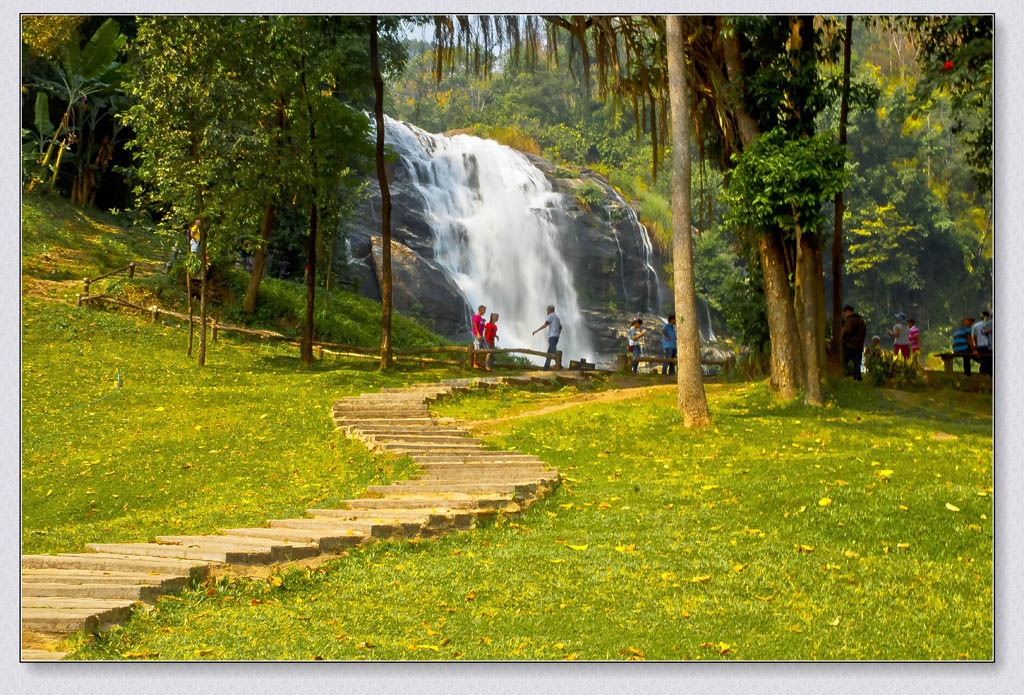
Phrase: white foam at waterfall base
[490,210]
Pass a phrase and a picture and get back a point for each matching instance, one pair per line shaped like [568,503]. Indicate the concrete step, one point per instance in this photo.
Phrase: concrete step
[116,562]
[415,487]
[485,467]
[239,556]
[430,440]
[279,551]
[41,655]
[328,540]
[132,592]
[410,450]
[392,413]
[412,430]
[441,519]
[460,502]
[355,420]
[375,529]
[511,476]
[482,456]
[43,576]
[62,614]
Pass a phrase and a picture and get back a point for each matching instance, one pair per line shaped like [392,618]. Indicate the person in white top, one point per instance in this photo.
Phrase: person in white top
[554,326]
[901,336]
[981,331]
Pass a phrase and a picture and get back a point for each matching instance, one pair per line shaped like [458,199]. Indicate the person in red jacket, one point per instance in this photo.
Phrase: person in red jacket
[490,338]
[478,332]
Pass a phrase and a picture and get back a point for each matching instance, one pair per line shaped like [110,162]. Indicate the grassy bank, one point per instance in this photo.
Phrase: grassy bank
[858,531]
[175,449]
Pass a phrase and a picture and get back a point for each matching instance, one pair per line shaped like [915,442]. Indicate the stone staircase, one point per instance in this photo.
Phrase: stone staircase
[460,480]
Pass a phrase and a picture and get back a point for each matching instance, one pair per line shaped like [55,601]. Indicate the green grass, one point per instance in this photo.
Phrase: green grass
[662,543]
[178,449]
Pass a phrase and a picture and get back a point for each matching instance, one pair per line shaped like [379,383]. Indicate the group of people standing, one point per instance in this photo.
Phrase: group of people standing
[485,335]
[668,342]
[973,339]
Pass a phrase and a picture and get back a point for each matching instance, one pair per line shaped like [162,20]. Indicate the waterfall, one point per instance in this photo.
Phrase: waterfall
[707,333]
[490,213]
[651,295]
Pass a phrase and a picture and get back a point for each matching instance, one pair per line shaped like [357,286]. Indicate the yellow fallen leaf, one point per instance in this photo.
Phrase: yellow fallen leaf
[763,598]
[566,506]
[708,487]
[884,474]
[804,548]
[835,622]
[668,576]
[903,546]
[700,579]
[952,507]
[577,547]
[625,548]
[851,553]
[722,648]
[632,651]
[740,568]
[556,560]
[824,502]
[276,580]
[904,508]
[471,595]
[604,505]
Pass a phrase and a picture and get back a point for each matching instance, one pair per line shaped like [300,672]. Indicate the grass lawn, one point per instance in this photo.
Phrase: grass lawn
[859,531]
[177,449]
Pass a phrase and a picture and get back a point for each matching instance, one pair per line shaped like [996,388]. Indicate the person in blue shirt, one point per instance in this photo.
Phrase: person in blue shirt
[963,343]
[668,344]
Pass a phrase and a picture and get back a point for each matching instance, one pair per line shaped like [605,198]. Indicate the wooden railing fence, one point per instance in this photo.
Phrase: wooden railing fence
[405,354]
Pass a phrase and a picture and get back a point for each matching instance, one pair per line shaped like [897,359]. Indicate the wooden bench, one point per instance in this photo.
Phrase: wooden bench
[948,357]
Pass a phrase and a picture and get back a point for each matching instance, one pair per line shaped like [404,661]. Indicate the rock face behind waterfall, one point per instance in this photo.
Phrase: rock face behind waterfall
[615,271]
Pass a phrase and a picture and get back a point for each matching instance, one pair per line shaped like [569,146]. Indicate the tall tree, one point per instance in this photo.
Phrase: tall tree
[840,205]
[194,142]
[386,358]
[691,400]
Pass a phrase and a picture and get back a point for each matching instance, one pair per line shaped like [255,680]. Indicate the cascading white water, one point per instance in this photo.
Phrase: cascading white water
[489,211]
[650,290]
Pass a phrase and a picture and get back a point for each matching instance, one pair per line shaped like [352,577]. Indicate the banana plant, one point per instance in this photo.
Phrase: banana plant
[87,80]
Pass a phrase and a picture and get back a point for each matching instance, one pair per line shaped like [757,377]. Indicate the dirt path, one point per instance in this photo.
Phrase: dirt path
[575,402]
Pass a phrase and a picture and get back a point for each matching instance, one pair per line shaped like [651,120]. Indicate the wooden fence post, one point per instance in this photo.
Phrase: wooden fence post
[131,269]
[558,360]
[214,326]
[469,356]
[78,300]
[153,311]
[85,287]
[320,351]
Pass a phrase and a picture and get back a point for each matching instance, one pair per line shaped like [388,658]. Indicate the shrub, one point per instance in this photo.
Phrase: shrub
[883,367]
[590,195]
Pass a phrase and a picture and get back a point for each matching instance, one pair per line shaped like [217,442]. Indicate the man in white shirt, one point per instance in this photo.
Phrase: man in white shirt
[554,326]
[981,331]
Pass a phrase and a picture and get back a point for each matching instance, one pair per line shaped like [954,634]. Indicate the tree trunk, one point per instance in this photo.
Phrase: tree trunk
[819,294]
[806,310]
[840,207]
[307,328]
[786,357]
[188,290]
[202,292]
[692,402]
[386,358]
[249,303]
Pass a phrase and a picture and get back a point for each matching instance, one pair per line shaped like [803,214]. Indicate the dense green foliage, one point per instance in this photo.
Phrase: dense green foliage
[783,533]
[918,231]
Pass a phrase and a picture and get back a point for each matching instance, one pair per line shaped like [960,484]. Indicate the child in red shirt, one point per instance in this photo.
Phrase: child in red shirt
[490,338]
